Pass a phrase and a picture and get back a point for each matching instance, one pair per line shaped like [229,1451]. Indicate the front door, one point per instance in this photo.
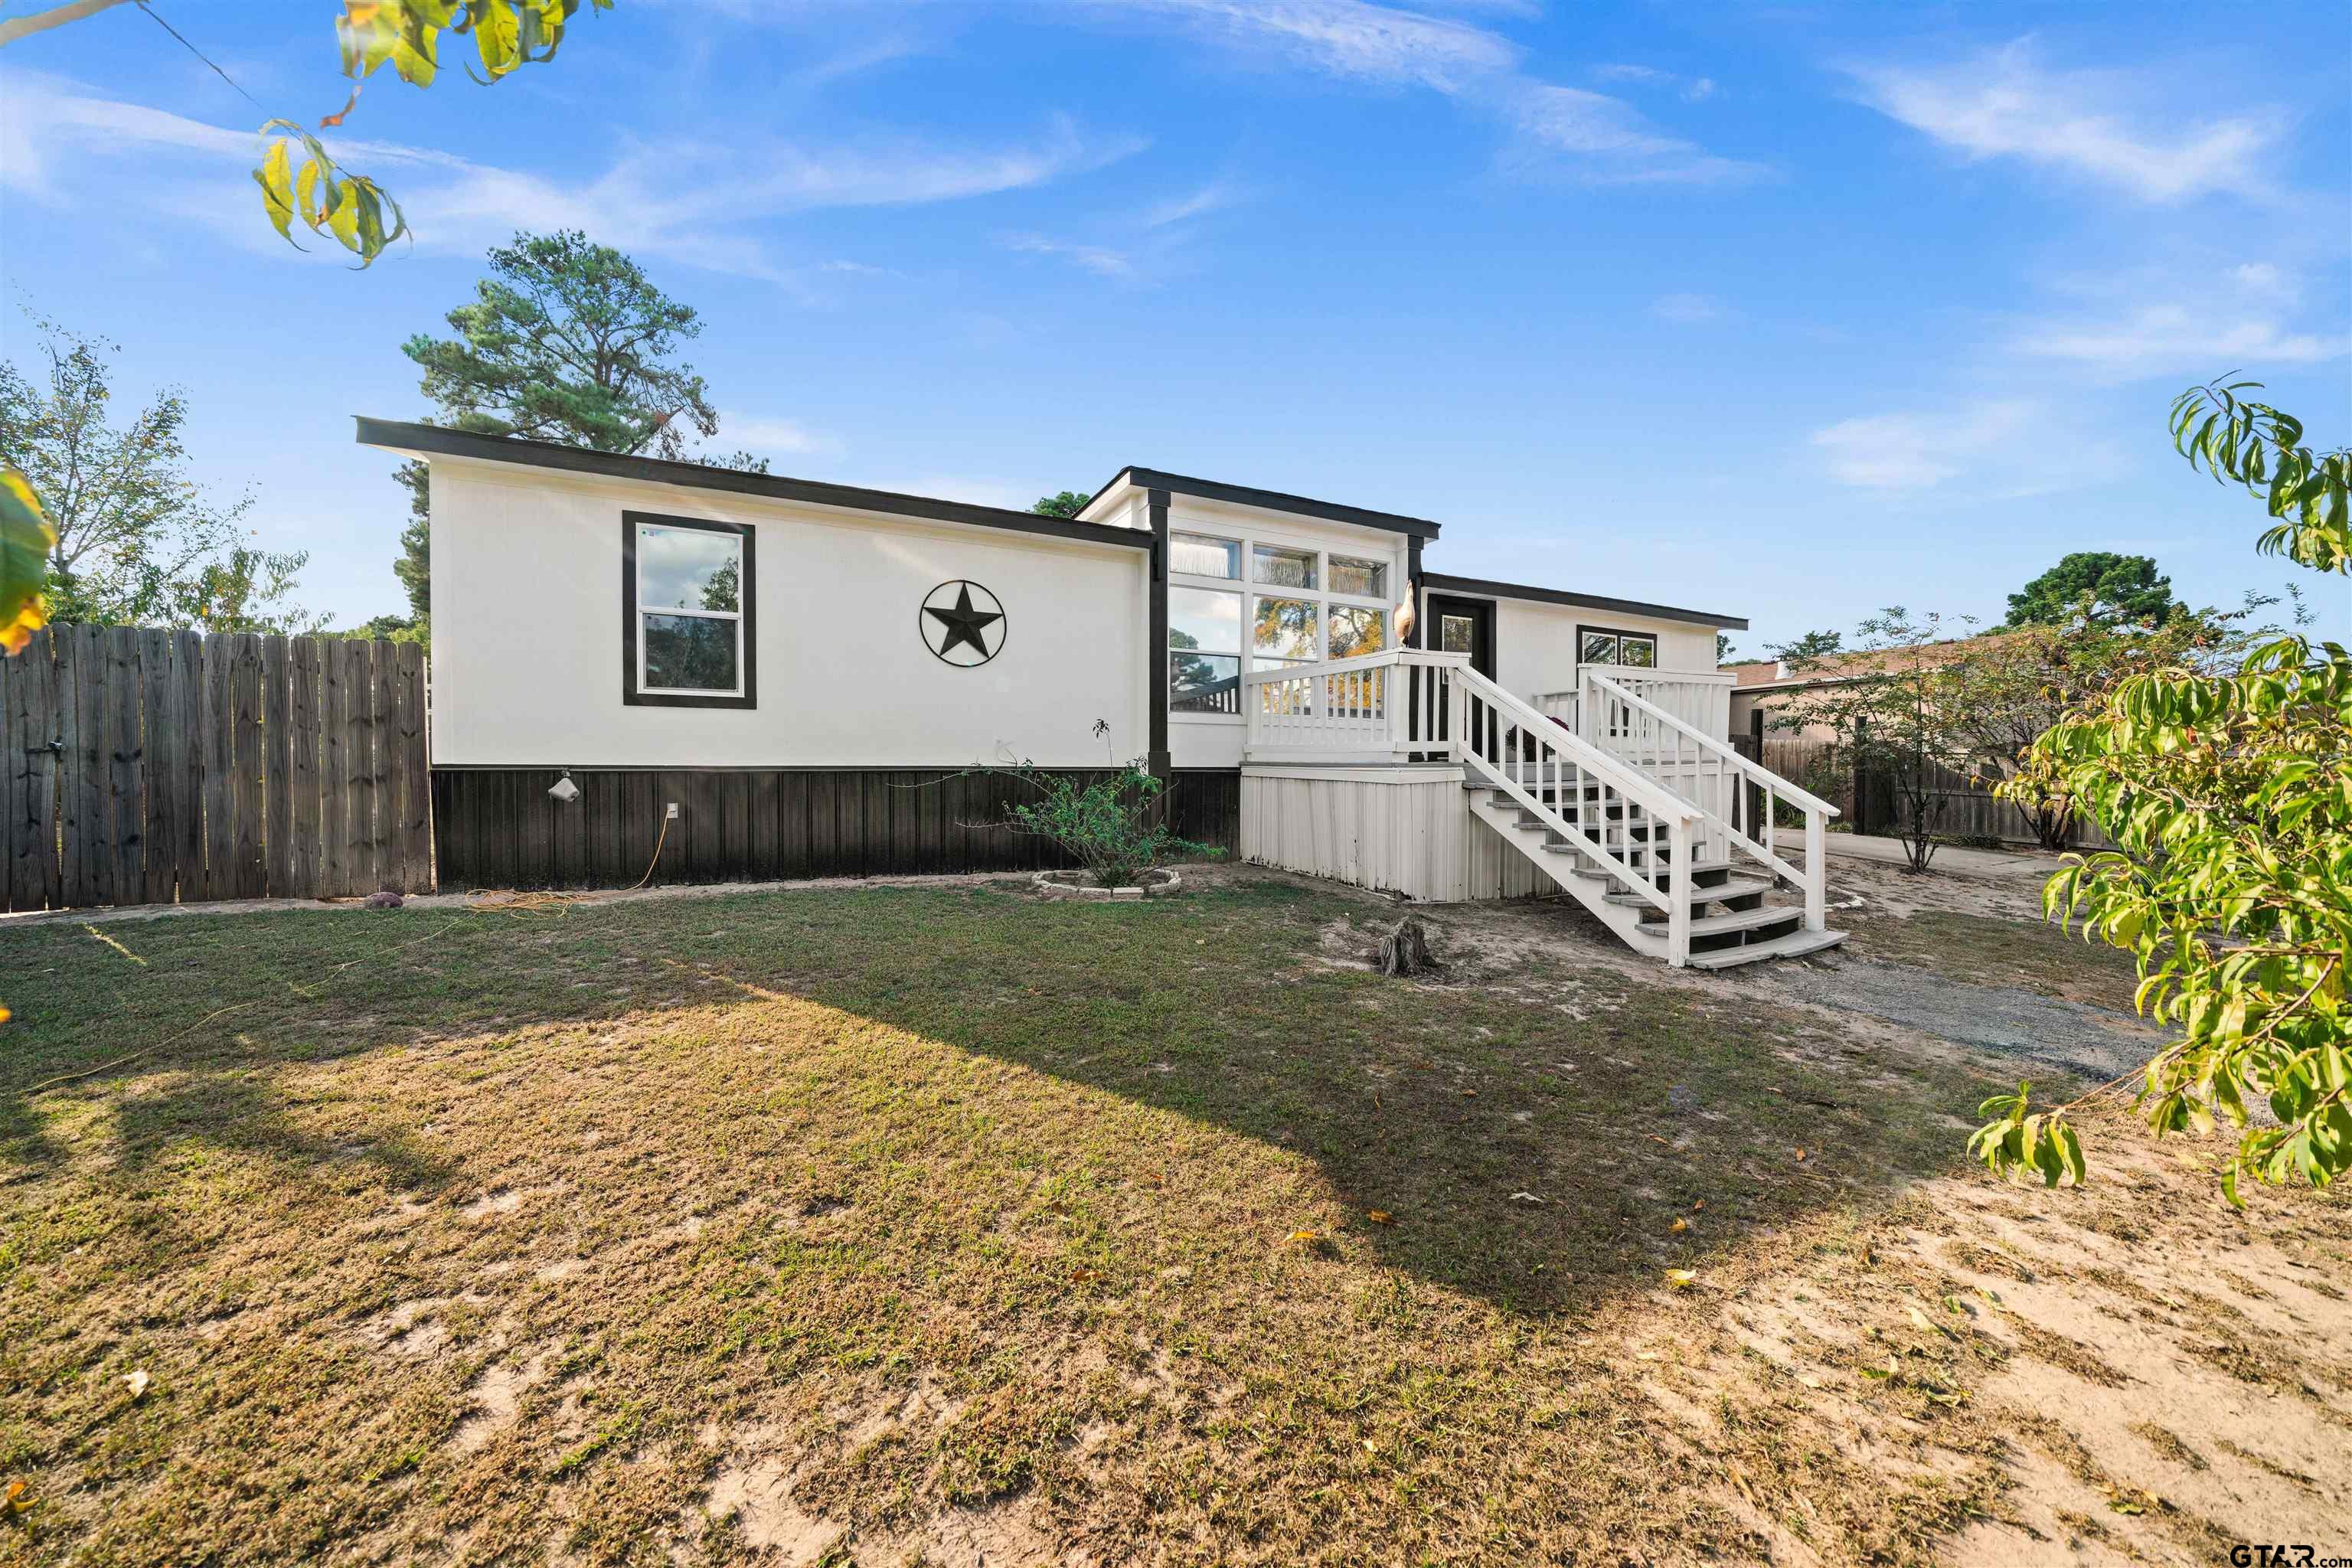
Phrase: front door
[1464,625]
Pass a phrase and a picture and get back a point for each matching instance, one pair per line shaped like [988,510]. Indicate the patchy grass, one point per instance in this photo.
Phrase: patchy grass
[864,1225]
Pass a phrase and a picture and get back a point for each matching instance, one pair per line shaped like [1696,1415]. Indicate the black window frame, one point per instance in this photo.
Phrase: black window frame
[746,619]
[1620,634]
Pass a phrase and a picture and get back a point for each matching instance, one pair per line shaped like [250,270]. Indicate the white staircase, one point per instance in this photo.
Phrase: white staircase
[1659,829]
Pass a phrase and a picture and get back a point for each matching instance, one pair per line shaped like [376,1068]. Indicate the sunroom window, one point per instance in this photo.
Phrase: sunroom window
[1278,567]
[1356,632]
[687,587]
[1205,651]
[1198,555]
[1363,579]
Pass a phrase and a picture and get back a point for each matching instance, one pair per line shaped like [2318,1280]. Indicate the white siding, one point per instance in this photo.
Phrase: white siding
[1395,830]
[1535,643]
[1404,831]
[527,636]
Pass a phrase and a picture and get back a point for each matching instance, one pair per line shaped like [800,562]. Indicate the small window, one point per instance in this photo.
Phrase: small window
[1364,579]
[1279,568]
[1198,555]
[1458,634]
[686,612]
[1636,649]
[1204,649]
[1283,629]
[1355,633]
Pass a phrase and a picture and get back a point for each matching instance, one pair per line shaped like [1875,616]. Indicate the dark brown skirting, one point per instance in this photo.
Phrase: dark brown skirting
[497,827]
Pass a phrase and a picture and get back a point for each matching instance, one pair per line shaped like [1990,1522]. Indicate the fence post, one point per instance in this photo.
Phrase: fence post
[1860,776]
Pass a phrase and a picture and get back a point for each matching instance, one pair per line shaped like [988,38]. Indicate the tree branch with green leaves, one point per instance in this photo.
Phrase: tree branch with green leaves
[300,181]
[2228,794]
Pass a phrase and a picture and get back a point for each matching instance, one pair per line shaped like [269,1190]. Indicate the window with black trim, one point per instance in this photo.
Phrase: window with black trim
[1597,645]
[686,612]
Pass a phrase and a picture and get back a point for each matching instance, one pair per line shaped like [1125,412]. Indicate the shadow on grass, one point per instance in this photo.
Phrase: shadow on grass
[1614,1104]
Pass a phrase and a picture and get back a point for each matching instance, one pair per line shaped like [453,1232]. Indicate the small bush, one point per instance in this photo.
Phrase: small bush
[1115,827]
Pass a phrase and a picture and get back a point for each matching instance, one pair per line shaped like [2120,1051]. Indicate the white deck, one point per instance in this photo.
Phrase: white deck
[1410,772]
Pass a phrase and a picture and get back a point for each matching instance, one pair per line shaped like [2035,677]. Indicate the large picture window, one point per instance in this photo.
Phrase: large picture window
[1242,602]
[686,612]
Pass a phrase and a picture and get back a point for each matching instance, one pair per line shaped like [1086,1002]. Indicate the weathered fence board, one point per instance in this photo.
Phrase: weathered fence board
[1959,808]
[154,766]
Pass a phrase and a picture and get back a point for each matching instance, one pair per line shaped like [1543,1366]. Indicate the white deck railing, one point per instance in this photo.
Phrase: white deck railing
[1737,796]
[1701,700]
[1650,743]
[1389,706]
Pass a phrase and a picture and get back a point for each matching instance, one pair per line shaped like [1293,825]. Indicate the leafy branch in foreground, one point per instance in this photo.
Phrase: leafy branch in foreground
[349,208]
[2261,448]
[2228,798]
[306,183]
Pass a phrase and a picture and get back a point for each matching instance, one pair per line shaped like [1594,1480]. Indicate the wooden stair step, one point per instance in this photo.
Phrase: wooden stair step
[1737,887]
[1735,920]
[1699,868]
[1795,944]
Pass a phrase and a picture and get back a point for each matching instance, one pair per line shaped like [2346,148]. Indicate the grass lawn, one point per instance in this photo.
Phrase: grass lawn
[944,1224]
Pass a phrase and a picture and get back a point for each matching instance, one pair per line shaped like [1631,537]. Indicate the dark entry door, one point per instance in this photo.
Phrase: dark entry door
[1464,625]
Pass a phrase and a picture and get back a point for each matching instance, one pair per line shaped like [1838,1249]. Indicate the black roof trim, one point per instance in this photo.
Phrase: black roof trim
[1273,500]
[434,438]
[1446,585]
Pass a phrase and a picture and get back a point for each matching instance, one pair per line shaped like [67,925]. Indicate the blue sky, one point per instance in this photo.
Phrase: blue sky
[1791,311]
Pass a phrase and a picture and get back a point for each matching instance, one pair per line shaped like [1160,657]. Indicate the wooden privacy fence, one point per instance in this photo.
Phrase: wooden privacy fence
[1966,809]
[145,766]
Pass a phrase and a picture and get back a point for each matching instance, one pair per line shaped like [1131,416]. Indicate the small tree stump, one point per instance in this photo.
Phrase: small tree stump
[1406,950]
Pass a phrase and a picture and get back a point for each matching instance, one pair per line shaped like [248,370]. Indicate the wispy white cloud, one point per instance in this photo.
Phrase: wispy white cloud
[685,201]
[1200,204]
[1557,130]
[2105,125]
[1689,88]
[1914,451]
[2264,279]
[1687,310]
[1612,142]
[1345,37]
[1099,260]
[2174,338]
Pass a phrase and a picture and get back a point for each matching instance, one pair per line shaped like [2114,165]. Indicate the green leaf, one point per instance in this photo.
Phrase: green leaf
[25,540]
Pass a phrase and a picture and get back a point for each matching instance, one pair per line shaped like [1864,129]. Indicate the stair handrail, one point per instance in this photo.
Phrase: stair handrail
[1811,877]
[1677,814]
[1794,795]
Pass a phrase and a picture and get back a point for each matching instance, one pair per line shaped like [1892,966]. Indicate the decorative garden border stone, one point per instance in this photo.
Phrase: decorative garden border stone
[1059,885]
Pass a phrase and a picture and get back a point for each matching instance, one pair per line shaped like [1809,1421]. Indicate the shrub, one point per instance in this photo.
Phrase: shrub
[1115,827]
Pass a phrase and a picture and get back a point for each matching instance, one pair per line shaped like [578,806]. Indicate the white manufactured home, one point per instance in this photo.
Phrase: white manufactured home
[758,676]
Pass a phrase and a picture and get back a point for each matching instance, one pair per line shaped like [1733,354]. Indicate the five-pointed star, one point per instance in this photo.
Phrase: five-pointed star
[963,623]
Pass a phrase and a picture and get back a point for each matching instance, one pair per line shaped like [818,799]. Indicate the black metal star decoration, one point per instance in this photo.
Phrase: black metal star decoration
[962,624]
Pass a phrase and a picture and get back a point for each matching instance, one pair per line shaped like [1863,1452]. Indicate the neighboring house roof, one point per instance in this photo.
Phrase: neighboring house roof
[401,436]
[1272,500]
[1443,584]
[1765,675]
